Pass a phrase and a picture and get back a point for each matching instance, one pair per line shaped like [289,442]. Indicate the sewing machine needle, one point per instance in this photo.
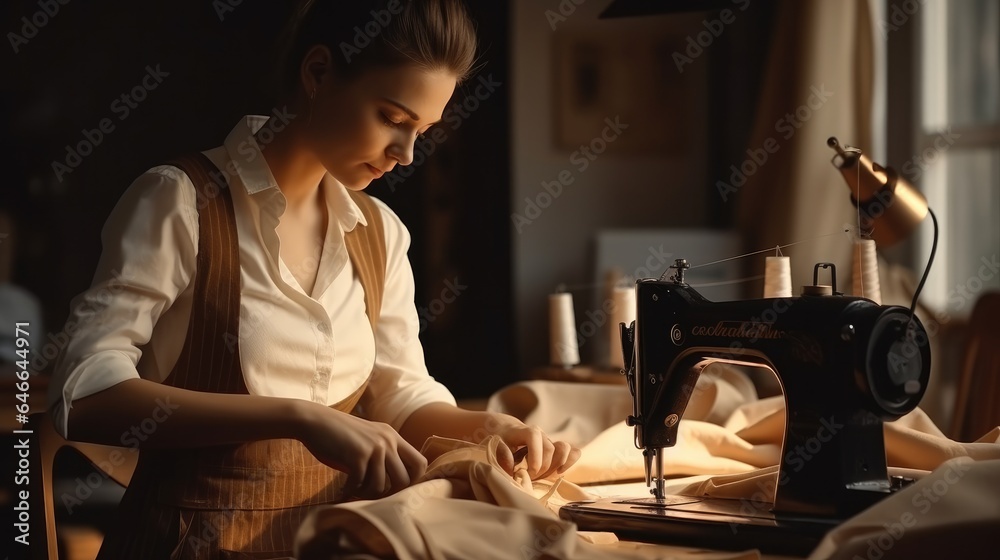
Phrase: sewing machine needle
[659,475]
[647,456]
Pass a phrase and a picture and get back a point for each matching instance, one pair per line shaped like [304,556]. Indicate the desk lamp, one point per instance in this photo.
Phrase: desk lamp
[889,207]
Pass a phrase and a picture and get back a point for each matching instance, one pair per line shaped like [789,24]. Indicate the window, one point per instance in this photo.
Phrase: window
[956,158]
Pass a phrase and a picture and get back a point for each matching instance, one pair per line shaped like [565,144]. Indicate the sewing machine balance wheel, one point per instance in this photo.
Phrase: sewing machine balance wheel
[898,364]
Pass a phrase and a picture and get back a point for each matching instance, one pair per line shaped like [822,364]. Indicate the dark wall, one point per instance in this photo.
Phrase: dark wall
[457,206]
[64,75]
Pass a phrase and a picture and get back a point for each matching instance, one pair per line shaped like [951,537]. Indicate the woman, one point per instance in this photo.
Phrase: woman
[272,305]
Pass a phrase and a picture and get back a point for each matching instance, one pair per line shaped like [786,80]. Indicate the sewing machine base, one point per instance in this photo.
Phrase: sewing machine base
[705,522]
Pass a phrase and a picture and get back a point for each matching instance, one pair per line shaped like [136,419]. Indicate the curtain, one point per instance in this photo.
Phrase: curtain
[818,83]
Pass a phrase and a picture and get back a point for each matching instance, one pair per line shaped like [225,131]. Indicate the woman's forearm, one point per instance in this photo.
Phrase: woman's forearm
[445,420]
[143,413]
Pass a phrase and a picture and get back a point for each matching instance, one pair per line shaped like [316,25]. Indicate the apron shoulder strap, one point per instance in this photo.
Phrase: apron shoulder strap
[366,248]
[217,287]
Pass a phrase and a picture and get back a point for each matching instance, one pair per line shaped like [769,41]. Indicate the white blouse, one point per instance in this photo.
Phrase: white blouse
[317,346]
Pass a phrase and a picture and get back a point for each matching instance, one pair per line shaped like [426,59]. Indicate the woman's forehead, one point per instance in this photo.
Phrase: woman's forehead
[422,92]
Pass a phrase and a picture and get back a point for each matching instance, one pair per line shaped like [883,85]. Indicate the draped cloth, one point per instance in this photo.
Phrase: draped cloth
[818,83]
[728,446]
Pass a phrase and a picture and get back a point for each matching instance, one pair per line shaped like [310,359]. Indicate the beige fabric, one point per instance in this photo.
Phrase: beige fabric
[952,513]
[578,413]
[467,507]
[726,430]
[745,447]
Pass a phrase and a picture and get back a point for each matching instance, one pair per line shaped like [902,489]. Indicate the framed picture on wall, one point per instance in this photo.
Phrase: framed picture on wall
[629,76]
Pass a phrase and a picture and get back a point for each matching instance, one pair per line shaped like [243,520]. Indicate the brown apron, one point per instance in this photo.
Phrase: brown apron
[240,501]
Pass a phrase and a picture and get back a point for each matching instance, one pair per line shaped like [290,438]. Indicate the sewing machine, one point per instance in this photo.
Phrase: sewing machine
[845,364]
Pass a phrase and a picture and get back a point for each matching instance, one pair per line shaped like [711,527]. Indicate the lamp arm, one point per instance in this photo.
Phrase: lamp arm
[927,269]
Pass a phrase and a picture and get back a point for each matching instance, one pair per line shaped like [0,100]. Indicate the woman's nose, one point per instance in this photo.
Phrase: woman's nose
[402,150]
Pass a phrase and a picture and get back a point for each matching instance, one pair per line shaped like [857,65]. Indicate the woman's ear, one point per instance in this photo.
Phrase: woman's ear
[316,68]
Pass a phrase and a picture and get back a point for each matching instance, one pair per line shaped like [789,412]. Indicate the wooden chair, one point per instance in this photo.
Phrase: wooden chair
[116,463]
[977,400]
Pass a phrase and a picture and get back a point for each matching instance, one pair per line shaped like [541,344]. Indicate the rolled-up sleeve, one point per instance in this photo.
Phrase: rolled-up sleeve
[149,246]
[400,382]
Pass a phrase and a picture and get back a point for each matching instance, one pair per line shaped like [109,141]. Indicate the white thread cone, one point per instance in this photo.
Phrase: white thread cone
[778,277]
[864,269]
[563,348]
[622,311]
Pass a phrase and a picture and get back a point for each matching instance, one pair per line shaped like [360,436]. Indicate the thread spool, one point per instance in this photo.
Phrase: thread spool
[622,311]
[563,348]
[864,271]
[778,277]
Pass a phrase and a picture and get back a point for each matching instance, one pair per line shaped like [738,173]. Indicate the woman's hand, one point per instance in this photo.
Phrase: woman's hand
[544,456]
[376,459]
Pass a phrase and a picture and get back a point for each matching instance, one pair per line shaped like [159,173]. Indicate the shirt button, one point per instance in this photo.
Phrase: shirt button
[324,328]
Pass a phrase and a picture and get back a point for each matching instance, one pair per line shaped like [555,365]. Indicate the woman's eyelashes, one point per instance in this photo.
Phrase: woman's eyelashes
[391,121]
[396,122]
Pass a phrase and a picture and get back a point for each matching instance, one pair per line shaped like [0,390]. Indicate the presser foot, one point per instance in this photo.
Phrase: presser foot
[657,489]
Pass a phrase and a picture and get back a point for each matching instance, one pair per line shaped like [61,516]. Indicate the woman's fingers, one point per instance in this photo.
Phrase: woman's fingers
[397,476]
[545,461]
[536,453]
[392,466]
[574,456]
[562,459]
[540,450]
[413,462]
[374,483]
[407,465]
[505,458]
[544,456]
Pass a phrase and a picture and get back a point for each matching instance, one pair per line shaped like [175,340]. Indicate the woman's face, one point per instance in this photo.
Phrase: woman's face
[362,129]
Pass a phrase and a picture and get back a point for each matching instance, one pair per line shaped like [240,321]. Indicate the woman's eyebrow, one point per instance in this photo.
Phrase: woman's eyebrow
[406,109]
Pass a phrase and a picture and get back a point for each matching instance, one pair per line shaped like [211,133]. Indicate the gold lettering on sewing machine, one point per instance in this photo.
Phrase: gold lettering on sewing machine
[739,329]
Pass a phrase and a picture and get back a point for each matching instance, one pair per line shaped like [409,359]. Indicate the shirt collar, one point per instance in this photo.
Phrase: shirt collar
[249,163]
[245,154]
[340,204]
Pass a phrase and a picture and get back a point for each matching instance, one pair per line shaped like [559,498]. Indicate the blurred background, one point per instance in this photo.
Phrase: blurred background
[592,145]
[581,137]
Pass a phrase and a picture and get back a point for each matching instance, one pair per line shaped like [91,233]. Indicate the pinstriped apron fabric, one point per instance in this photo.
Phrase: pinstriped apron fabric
[241,501]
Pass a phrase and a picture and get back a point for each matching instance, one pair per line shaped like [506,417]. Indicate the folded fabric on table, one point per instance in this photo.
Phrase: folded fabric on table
[468,507]
[465,507]
[725,430]
[736,438]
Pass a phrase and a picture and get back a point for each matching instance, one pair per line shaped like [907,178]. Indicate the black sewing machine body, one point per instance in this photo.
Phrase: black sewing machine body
[845,365]
[843,370]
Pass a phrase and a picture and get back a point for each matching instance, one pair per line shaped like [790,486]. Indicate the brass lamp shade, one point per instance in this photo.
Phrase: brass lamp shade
[890,207]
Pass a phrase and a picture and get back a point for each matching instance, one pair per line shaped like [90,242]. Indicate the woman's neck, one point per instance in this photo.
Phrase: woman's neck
[297,172]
